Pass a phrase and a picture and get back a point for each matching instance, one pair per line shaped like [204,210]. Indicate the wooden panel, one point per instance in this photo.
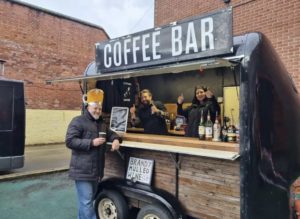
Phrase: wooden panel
[141,130]
[181,141]
[172,107]
[164,168]
[114,165]
[209,188]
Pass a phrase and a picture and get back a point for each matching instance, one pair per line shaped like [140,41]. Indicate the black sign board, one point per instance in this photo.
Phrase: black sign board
[197,37]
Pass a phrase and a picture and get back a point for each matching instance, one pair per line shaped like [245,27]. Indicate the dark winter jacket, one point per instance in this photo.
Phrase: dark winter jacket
[193,114]
[87,162]
[152,123]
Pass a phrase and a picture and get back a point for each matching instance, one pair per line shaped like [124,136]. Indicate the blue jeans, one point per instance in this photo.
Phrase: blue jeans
[85,193]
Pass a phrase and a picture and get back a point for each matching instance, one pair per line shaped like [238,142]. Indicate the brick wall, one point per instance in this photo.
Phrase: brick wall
[39,45]
[279,20]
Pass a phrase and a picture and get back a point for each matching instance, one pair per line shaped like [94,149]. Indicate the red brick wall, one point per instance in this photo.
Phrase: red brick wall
[39,46]
[279,20]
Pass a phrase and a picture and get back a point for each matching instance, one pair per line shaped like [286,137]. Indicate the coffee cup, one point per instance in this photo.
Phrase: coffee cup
[102,134]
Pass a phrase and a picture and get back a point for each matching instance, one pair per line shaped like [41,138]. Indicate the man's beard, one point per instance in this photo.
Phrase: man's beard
[146,102]
[95,116]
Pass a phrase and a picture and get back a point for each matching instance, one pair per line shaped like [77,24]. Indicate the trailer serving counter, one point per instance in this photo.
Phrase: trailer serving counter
[203,175]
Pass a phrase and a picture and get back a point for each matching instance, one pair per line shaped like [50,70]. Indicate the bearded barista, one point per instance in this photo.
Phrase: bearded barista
[151,114]
[88,148]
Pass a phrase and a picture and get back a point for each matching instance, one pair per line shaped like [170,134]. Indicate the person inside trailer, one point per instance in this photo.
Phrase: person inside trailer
[151,114]
[204,101]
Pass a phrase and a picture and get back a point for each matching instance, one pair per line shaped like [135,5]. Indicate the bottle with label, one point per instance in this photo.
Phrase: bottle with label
[231,135]
[217,129]
[208,128]
[224,130]
[201,128]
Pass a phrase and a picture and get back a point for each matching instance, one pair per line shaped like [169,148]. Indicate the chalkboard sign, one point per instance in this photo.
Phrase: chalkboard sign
[140,170]
[118,119]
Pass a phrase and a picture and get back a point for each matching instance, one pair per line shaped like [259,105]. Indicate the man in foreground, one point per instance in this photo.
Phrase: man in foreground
[86,137]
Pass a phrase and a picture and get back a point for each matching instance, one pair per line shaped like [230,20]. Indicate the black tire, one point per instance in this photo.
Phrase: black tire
[154,211]
[111,204]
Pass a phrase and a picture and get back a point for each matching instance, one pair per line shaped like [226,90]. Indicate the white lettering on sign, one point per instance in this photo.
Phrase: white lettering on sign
[126,50]
[117,54]
[191,42]
[207,28]
[176,41]
[145,46]
[199,37]
[107,60]
[207,38]
[155,44]
[135,48]
[140,170]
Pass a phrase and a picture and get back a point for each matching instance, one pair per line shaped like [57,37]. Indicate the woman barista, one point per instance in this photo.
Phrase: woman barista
[204,101]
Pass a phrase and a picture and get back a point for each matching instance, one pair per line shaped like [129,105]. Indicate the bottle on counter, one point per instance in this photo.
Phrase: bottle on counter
[224,130]
[208,128]
[201,127]
[217,129]
[172,120]
[231,132]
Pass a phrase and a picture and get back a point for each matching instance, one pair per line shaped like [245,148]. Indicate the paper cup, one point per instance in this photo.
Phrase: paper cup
[102,134]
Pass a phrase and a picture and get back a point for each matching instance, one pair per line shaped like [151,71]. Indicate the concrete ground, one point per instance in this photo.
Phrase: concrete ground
[50,196]
[41,189]
[41,159]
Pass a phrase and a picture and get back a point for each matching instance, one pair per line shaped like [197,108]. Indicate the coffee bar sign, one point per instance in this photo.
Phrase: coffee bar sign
[197,37]
[140,170]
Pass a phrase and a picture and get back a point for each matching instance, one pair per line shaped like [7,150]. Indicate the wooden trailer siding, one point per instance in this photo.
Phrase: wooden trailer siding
[114,165]
[164,172]
[207,187]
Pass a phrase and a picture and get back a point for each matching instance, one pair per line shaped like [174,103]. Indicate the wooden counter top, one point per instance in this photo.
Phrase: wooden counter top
[183,145]
[181,141]
[141,130]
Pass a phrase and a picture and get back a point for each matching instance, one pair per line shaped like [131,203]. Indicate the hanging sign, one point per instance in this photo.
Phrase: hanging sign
[194,38]
[140,170]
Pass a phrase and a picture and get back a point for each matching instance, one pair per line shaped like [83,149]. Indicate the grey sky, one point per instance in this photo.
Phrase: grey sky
[117,17]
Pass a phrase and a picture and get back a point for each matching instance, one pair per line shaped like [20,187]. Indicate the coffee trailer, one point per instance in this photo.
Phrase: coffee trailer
[177,177]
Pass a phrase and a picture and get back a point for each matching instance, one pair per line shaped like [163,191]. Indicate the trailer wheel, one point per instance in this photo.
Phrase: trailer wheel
[154,212]
[111,205]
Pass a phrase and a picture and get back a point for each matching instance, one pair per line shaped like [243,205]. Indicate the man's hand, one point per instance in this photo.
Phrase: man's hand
[115,145]
[154,109]
[132,111]
[98,141]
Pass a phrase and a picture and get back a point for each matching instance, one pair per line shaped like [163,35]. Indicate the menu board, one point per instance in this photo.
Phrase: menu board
[118,119]
[140,170]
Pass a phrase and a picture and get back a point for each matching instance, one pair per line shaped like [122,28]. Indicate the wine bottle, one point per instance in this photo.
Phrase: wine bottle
[217,129]
[208,128]
[224,130]
[201,127]
[231,135]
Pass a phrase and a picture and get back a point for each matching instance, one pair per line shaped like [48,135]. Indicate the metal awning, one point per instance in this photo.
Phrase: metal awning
[153,70]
